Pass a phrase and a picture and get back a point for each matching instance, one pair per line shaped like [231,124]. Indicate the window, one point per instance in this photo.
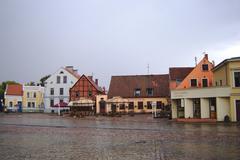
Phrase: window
[61,91]
[29,105]
[205,67]
[58,79]
[236,79]
[34,95]
[131,105]
[33,104]
[122,106]
[61,72]
[193,82]
[205,82]
[52,91]
[65,79]
[10,104]
[140,105]
[77,94]
[61,101]
[89,93]
[178,81]
[137,92]
[149,92]
[149,105]
[28,95]
[52,102]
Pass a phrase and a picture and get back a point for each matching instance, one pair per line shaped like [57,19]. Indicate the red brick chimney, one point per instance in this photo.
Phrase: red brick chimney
[206,56]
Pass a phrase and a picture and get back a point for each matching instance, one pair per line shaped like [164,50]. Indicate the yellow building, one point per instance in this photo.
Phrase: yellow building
[135,93]
[33,98]
[227,74]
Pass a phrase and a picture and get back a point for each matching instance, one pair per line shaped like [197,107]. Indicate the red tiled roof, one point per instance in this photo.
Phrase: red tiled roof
[124,86]
[14,89]
[179,72]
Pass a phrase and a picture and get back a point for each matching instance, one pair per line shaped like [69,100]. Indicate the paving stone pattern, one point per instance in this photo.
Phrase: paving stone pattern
[47,137]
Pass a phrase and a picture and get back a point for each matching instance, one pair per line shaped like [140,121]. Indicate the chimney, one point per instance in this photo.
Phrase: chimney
[206,56]
[75,71]
[96,81]
[69,67]
[90,77]
[213,62]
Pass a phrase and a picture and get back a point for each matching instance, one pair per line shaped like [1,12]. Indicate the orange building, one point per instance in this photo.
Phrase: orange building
[200,76]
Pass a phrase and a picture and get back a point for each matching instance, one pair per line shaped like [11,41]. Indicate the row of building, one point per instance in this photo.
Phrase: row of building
[204,91]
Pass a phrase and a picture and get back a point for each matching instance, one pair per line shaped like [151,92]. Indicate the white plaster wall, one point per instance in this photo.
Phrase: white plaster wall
[174,109]
[188,106]
[223,108]
[205,113]
[51,82]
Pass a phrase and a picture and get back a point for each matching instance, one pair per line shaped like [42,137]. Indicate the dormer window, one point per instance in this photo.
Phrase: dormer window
[137,92]
[149,91]
[205,67]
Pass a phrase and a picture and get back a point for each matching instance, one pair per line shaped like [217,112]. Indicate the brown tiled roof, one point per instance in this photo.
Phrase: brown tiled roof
[72,72]
[124,86]
[14,89]
[179,72]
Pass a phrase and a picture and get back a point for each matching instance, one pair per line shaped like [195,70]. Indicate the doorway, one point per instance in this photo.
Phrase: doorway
[196,108]
[212,107]
[102,104]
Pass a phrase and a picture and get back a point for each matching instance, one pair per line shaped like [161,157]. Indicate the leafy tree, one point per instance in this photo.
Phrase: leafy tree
[43,79]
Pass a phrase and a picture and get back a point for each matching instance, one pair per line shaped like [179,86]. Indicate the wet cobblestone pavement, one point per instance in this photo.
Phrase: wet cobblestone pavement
[43,136]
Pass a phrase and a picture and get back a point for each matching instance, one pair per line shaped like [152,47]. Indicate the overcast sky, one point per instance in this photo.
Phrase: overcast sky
[113,37]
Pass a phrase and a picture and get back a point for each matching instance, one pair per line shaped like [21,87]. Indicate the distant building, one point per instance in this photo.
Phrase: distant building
[33,99]
[137,93]
[209,92]
[57,87]
[13,97]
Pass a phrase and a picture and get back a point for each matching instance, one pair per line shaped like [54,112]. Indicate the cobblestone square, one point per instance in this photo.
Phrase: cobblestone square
[45,136]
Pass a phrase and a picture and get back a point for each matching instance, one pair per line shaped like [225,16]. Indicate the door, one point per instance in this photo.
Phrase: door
[238,110]
[196,108]
[212,105]
[114,108]
[102,104]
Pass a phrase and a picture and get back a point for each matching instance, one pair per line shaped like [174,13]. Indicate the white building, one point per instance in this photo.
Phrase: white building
[57,87]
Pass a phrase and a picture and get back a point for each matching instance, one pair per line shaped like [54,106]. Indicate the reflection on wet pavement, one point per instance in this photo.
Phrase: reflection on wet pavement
[43,136]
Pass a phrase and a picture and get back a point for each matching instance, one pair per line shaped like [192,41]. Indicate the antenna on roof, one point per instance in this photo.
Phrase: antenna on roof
[195,61]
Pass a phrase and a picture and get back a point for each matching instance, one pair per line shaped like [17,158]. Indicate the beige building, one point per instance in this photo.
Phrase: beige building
[216,102]
[135,93]
[33,99]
